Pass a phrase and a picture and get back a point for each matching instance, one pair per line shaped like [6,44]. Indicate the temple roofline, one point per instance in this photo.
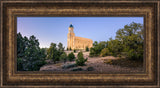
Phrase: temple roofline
[83,38]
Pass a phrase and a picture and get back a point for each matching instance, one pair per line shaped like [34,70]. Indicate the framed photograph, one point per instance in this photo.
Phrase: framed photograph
[79,43]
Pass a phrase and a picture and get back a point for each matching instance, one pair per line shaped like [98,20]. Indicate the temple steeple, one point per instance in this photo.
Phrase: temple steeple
[70,37]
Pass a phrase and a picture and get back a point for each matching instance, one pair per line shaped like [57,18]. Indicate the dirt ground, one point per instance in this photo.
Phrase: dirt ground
[96,62]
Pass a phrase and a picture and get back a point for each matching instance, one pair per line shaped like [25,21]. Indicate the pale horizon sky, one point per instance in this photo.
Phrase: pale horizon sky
[55,29]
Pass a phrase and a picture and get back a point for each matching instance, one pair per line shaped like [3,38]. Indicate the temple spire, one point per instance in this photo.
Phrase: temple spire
[71,25]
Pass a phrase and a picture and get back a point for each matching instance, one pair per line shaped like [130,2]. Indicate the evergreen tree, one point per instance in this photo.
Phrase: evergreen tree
[87,49]
[29,55]
[128,41]
[53,52]
[64,57]
[71,56]
[80,60]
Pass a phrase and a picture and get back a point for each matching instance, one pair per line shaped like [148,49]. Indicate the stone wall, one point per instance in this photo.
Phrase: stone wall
[82,43]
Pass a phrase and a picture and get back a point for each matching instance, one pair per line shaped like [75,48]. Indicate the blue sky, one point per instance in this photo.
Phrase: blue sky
[55,29]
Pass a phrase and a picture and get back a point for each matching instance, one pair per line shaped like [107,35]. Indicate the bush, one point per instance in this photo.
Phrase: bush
[71,56]
[74,50]
[69,66]
[80,61]
[108,61]
[104,52]
[70,48]
[87,49]
[133,55]
[90,69]
[77,69]
[97,48]
[125,63]
[119,55]
[114,54]
[63,57]
[92,52]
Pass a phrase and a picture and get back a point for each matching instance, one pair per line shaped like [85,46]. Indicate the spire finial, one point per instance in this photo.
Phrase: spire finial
[71,25]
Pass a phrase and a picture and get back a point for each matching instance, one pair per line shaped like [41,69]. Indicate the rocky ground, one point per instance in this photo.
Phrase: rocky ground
[96,63]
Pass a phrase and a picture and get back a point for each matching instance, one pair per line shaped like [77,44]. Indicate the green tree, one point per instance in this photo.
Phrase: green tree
[80,60]
[95,43]
[60,47]
[105,52]
[132,36]
[53,52]
[34,57]
[21,44]
[97,47]
[128,41]
[29,55]
[70,48]
[114,46]
[20,51]
[87,49]
[63,57]
[44,50]
[20,64]
[71,56]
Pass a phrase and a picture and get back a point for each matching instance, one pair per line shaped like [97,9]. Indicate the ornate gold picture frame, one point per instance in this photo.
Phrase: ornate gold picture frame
[10,10]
